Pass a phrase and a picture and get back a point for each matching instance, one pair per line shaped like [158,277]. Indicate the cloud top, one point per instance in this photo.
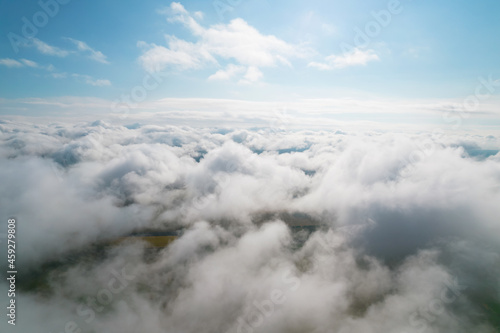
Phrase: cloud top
[399,231]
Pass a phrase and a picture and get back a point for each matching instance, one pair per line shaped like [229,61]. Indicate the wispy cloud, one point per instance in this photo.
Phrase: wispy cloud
[356,57]
[98,82]
[81,48]
[87,79]
[49,49]
[92,54]
[29,63]
[8,62]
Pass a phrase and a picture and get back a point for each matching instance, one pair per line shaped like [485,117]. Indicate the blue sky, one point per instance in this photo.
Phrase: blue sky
[251,50]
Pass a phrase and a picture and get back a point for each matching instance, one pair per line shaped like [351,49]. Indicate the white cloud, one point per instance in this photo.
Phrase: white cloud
[22,63]
[198,15]
[228,73]
[177,7]
[179,53]
[356,57]
[293,112]
[81,47]
[18,63]
[236,42]
[29,63]
[92,54]
[243,43]
[406,244]
[253,74]
[99,82]
[10,62]
[48,49]
[91,81]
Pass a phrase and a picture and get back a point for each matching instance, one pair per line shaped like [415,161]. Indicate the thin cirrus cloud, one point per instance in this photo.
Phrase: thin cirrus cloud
[81,48]
[47,49]
[12,63]
[356,57]
[44,48]
[87,79]
[17,63]
[91,53]
[244,48]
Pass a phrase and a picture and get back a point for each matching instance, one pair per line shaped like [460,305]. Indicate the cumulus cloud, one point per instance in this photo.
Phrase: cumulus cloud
[228,73]
[253,74]
[281,231]
[356,57]
[236,42]
[179,53]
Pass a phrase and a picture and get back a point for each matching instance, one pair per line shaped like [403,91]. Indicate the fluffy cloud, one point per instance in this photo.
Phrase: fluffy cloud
[228,73]
[253,74]
[356,57]
[179,53]
[236,42]
[405,238]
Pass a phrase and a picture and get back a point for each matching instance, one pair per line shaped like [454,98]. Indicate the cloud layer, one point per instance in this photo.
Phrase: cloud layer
[405,236]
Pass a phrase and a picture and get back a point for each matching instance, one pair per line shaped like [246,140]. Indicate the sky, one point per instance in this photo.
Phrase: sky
[103,56]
